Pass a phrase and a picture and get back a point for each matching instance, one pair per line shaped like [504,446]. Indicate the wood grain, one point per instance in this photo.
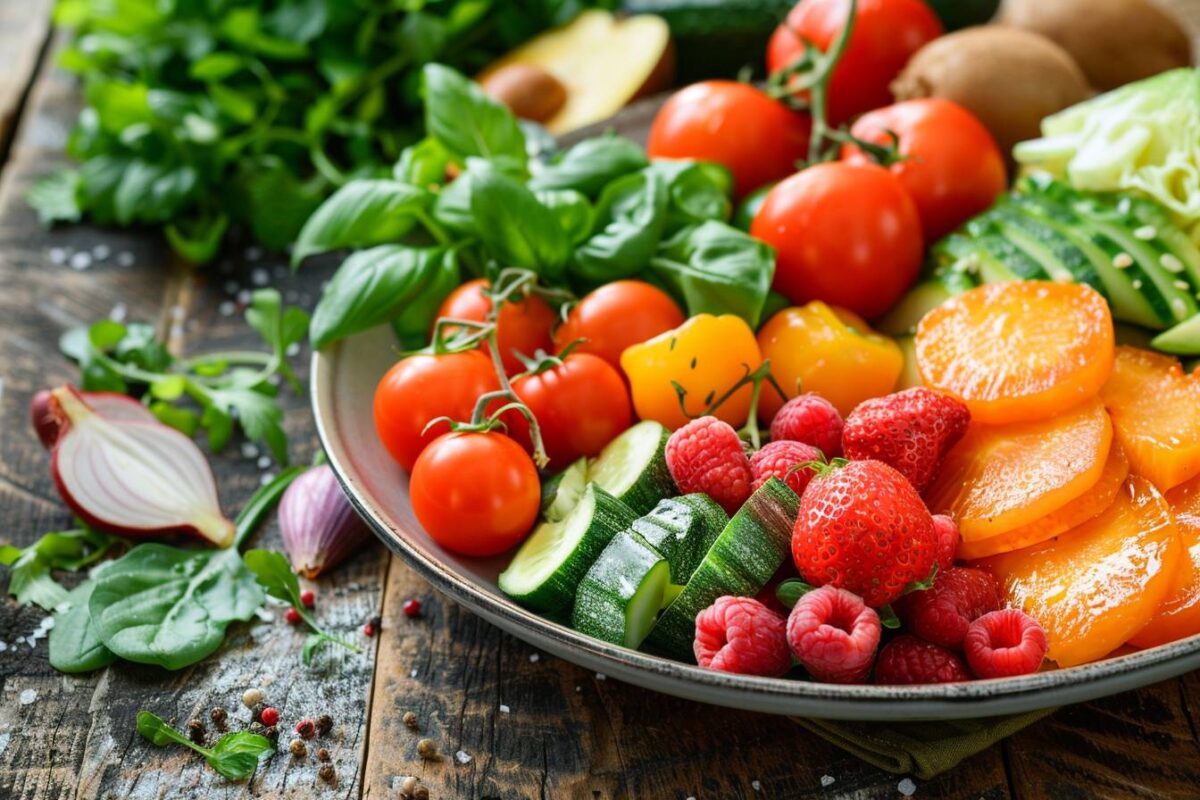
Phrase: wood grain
[24,29]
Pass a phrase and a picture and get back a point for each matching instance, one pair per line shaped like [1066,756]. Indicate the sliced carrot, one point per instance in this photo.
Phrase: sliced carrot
[999,478]
[1090,504]
[1179,615]
[1097,585]
[1016,352]
[1155,410]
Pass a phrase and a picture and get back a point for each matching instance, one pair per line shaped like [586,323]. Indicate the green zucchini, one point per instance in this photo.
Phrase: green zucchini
[740,562]
[633,467]
[561,493]
[545,572]
[683,529]
[621,594]
[1182,340]
[1058,256]
[902,320]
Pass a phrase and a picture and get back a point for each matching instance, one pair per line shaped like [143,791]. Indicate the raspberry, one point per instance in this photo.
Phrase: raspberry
[910,430]
[834,635]
[706,456]
[907,660]
[942,614]
[948,537]
[777,460]
[740,634]
[810,419]
[1005,643]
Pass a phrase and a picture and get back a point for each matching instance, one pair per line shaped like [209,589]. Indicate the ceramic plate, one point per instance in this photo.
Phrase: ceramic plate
[343,386]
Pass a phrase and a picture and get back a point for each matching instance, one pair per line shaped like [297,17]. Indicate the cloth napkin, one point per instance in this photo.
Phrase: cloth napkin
[921,749]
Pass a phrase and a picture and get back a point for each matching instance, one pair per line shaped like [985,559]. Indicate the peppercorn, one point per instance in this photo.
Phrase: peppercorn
[322,754]
[326,773]
[269,716]
[410,720]
[427,749]
[368,630]
[298,749]
[196,731]
[292,616]
[307,598]
[219,718]
[272,733]
[421,793]
[257,727]
[407,787]
[306,728]
[252,697]
[412,608]
[324,724]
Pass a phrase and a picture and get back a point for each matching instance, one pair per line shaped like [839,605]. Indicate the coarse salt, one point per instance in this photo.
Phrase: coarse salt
[28,696]
[906,787]
[827,780]
[462,757]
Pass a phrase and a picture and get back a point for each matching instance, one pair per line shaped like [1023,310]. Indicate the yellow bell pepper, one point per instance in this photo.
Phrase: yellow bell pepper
[830,351]
[706,356]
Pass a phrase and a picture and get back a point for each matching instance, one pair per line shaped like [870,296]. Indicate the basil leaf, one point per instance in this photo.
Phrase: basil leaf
[170,607]
[467,122]
[236,755]
[698,191]
[591,165]
[630,219]
[362,213]
[422,164]
[574,213]
[514,227]
[154,729]
[717,269]
[377,285]
[414,322]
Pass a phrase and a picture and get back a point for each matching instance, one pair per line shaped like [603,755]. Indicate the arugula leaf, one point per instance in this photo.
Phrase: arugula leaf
[467,122]
[361,214]
[235,755]
[30,580]
[591,165]
[516,229]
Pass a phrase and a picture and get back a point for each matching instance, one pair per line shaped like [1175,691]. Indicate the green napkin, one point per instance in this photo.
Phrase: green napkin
[923,749]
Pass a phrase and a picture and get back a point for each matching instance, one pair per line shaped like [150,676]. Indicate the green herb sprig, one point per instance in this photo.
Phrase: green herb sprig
[235,755]
[30,580]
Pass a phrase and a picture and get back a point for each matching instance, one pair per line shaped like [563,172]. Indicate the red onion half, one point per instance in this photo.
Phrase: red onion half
[318,524]
[133,478]
[107,404]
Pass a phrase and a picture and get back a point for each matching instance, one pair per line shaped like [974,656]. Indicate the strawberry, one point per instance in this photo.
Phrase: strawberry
[706,456]
[863,527]
[910,430]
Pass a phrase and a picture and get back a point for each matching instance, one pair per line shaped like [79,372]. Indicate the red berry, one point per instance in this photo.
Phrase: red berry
[269,716]
[948,537]
[778,459]
[292,616]
[863,527]
[942,613]
[412,607]
[706,456]
[910,430]
[307,598]
[368,630]
[834,635]
[740,634]
[907,660]
[1005,643]
[810,419]
[306,728]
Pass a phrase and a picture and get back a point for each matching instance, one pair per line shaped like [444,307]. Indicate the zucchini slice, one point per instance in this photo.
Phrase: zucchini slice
[683,529]
[562,492]
[620,596]
[545,572]
[633,467]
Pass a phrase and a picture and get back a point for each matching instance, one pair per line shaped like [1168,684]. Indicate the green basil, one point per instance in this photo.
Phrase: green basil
[574,213]
[452,208]
[422,164]
[415,320]
[698,191]
[467,122]
[630,219]
[591,165]
[235,755]
[362,213]
[517,230]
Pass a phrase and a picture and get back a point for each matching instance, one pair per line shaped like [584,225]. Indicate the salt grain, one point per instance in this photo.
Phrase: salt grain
[4,737]
[126,259]
[226,308]
[264,462]
[600,676]
[118,313]
[243,297]
[3,647]
[28,696]
[253,253]
[1146,233]
[292,350]
[827,780]
[756,786]
[266,478]
[58,255]
[533,658]
[412,674]
[462,757]
[504,709]
[80,261]
[101,252]
[260,277]
[249,450]
[906,787]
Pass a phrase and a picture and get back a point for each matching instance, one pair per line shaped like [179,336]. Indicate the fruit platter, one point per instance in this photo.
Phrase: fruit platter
[848,395]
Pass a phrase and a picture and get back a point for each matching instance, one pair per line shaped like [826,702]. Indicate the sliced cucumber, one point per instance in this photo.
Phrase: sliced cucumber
[633,467]
[545,572]
[561,493]
[683,529]
[620,596]
[740,562]
[921,299]
[910,376]
[1058,256]
[1182,340]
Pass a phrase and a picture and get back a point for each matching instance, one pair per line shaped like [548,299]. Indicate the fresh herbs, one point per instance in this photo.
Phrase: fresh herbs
[30,580]
[201,115]
[209,392]
[235,755]
[598,212]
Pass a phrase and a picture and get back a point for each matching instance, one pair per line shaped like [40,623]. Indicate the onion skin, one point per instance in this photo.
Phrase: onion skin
[318,525]
[133,478]
[107,404]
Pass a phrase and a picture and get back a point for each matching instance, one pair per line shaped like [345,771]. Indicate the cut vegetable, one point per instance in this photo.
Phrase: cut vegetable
[683,529]
[546,571]
[561,493]
[620,596]
[633,467]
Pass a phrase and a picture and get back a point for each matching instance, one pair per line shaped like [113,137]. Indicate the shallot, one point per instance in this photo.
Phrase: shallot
[318,525]
[107,404]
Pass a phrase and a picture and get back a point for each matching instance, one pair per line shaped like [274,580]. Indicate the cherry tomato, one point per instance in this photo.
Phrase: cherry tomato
[580,405]
[522,327]
[847,234]
[475,493]
[885,36]
[422,388]
[618,315]
[952,168]
[757,138]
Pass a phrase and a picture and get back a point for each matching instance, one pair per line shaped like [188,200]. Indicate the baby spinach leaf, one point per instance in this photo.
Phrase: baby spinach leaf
[74,644]
[362,213]
[630,219]
[467,122]
[591,165]
[235,755]
[514,227]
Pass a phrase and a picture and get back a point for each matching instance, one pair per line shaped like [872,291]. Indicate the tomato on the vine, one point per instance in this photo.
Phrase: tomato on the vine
[886,34]
[950,164]
[847,234]
[580,405]
[475,493]
[756,137]
[615,316]
[521,327]
[422,388]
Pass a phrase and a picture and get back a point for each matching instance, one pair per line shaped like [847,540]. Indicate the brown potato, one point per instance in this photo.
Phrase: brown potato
[1009,78]
[530,91]
[1114,41]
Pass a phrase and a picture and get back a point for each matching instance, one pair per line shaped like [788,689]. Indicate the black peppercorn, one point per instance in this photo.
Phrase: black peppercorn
[326,773]
[219,718]
[324,724]
[196,731]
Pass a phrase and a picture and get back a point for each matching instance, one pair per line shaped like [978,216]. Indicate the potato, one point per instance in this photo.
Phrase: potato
[1114,41]
[1010,79]
[527,89]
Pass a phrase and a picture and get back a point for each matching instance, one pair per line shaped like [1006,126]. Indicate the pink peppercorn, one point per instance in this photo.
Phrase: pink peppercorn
[307,598]
[269,716]
[412,608]
[292,616]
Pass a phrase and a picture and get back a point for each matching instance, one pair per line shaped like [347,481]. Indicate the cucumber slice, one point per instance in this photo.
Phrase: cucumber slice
[740,562]
[562,492]
[1058,256]
[633,467]
[910,376]
[1182,340]
[620,596]
[545,572]
[921,299]
[683,529]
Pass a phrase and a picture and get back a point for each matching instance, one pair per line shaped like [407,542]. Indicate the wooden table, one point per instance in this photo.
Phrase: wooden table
[525,725]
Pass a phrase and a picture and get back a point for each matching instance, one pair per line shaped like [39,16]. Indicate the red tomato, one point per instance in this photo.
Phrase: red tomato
[618,315]
[847,234]
[953,168]
[885,36]
[522,327]
[758,139]
[422,388]
[475,493]
[580,406]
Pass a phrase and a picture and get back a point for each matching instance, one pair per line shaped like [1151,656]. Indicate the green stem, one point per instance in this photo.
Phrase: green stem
[315,628]
[261,503]
[230,356]
[435,229]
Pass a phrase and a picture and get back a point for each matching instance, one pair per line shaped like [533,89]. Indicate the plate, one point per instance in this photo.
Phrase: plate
[344,377]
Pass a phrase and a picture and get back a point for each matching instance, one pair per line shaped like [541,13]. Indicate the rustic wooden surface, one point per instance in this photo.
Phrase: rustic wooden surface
[527,725]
